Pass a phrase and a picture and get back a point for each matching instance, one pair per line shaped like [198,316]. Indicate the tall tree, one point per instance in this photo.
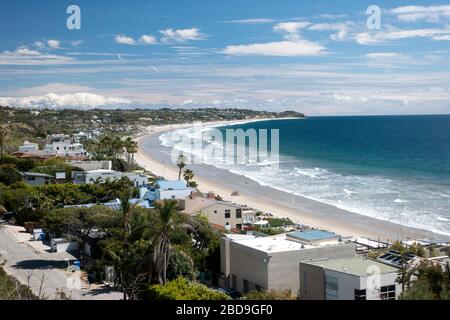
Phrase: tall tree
[181,163]
[131,148]
[166,210]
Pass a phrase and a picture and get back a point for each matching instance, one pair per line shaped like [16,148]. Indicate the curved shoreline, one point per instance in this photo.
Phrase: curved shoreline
[154,157]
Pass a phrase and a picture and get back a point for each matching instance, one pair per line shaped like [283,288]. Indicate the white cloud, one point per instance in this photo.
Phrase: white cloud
[367,38]
[281,48]
[54,44]
[384,55]
[251,21]
[341,28]
[290,29]
[422,13]
[122,39]
[26,56]
[80,100]
[293,45]
[181,35]
[148,39]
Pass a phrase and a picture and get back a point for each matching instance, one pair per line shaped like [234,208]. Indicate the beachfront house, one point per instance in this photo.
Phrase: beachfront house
[354,278]
[220,213]
[101,175]
[274,260]
[167,189]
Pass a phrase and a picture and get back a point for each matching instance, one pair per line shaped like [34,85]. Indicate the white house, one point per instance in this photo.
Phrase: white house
[165,189]
[28,147]
[86,177]
[66,148]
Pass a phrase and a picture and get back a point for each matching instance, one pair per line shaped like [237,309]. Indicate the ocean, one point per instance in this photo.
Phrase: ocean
[393,168]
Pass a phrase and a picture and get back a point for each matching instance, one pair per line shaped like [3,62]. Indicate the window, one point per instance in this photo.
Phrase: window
[360,294]
[238,213]
[227,214]
[215,211]
[388,292]
[331,288]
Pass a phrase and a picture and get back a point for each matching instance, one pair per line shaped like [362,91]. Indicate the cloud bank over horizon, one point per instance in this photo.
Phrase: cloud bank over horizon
[79,100]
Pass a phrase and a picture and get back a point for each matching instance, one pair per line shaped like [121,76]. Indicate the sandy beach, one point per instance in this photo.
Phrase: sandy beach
[156,159]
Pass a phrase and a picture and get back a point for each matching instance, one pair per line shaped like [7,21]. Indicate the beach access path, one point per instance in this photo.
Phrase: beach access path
[29,263]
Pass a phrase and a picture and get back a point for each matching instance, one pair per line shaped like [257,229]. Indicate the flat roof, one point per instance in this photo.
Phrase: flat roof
[313,235]
[357,266]
[273,244]
[35,174]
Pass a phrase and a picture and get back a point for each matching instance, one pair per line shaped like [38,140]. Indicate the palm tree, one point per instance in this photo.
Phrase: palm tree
[160,259]
[181,163]
[117,146]
[131,148]
[188,175]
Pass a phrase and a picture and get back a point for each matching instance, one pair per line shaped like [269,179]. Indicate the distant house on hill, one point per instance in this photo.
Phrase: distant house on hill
[37,179]
[60,145]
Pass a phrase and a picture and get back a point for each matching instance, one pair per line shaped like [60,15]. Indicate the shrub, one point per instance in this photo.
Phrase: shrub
[183,289]
[9,174]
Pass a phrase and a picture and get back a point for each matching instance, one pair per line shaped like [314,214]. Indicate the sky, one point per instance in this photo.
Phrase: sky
[317,57]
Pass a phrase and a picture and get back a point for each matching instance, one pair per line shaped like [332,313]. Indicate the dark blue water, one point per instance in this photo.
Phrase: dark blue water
[417,146]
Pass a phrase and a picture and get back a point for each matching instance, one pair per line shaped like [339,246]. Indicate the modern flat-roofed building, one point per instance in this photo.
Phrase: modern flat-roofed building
[266,263]
[66,149]
[355,278]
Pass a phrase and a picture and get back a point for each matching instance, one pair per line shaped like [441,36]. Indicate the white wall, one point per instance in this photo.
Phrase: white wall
[172,194]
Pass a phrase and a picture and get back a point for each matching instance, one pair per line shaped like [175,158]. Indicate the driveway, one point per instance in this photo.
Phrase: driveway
[28,263]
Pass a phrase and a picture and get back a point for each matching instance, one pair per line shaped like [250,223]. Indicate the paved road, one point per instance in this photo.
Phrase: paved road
[29,265]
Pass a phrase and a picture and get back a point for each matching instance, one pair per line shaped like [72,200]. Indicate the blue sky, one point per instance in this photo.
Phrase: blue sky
[318,57]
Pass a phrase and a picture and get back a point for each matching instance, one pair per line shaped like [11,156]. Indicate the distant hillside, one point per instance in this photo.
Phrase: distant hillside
[17,125]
